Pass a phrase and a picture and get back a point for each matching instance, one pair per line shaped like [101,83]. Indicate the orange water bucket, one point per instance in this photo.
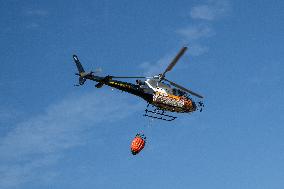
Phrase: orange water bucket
[138,144]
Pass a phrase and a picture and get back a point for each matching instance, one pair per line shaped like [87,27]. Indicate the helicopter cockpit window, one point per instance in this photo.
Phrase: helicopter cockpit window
[179,92]
[175,92]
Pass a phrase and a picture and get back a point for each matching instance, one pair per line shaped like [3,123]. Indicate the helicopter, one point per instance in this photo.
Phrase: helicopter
[162,95]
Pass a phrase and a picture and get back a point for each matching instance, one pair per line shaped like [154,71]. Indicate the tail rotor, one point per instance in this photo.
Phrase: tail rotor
[81,72]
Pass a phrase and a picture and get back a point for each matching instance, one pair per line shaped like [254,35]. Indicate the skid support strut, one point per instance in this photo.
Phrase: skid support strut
[158,114]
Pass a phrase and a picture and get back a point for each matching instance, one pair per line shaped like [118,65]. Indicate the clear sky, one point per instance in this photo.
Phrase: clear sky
[55,135]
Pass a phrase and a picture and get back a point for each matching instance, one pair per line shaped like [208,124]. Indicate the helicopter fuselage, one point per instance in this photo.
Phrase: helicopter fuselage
[159,96]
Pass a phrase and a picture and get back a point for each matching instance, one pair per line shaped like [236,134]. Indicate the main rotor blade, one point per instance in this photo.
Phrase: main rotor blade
[187,90]
[174,61]
[128,77]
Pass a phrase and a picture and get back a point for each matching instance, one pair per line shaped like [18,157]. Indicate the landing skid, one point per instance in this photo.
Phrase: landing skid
[158,114]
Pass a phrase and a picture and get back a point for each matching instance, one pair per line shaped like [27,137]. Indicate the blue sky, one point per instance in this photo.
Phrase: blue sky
[54,135]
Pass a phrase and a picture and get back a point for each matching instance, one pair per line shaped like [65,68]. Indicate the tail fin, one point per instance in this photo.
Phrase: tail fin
[79,65]
[81,70]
